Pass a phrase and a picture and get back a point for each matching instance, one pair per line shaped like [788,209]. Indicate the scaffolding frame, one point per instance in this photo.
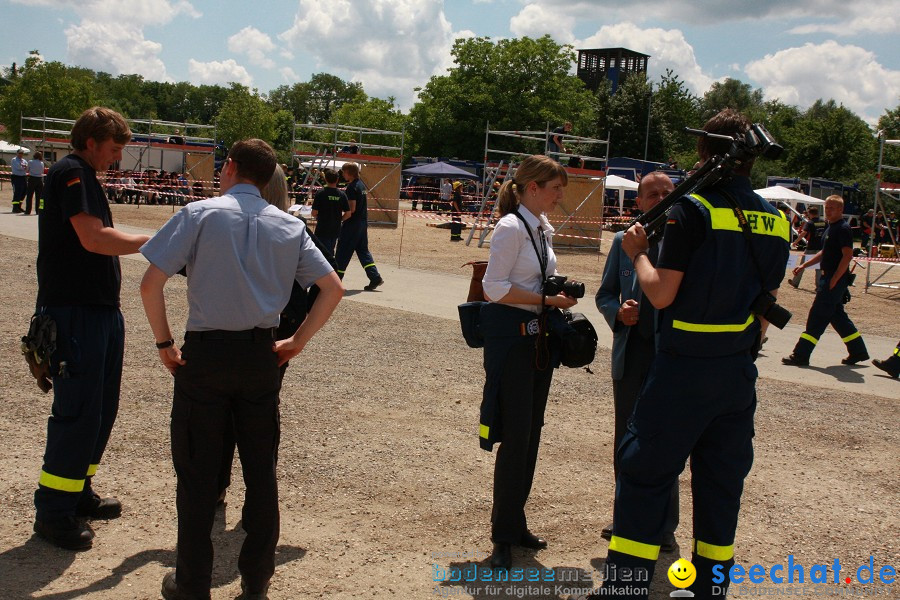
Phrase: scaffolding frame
[326,152]
[55,133]
[879,206]
[540,137]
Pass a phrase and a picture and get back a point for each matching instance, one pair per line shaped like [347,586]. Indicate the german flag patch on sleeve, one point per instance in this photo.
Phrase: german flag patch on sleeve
[73,181]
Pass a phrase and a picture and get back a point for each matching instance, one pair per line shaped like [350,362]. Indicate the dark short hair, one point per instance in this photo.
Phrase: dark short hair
[352,168]
[331,176]
[255,160]
[728,122]
[813,210]
[100,124]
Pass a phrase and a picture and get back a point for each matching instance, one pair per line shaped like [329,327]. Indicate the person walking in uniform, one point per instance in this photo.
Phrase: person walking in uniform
[699,398]
[831,288]
[632,319]
[330,208]
[79,280]
[242,256]
[354,236]
[517,359]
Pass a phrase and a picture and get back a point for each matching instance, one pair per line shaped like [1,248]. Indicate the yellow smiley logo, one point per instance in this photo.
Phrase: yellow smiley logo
[682,573]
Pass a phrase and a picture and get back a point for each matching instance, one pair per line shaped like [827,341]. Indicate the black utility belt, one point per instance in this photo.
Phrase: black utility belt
[255,334]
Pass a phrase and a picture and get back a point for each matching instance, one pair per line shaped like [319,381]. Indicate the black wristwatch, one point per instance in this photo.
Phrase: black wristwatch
[165,344]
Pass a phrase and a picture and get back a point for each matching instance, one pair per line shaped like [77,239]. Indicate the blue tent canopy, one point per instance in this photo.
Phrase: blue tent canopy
[440,169]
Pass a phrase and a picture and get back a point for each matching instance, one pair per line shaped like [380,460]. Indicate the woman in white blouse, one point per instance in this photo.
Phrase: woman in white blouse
[519,355]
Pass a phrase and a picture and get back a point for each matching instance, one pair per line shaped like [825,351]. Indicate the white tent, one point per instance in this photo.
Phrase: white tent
[7,148]
[788,196]
[614,182]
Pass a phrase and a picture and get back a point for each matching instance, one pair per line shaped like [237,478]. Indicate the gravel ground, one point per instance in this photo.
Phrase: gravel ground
[382,482]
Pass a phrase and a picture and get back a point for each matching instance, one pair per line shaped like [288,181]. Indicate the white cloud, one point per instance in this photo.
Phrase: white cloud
[135,13]
[255,44]
[849,74]
[667,47]
[873,22]
[711,12]
[218,72]
[115,48]
[390,46]
[535,20]
[110,36]
[289,75]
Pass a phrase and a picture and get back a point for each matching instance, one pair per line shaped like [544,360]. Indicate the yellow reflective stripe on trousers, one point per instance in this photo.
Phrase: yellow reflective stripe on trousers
[484,431]
[761,222]
[92,470]
[368,265]
[809,338]
[632,548]
[61,483]
[897,351]
[850,337]
[710,327]
[713,552]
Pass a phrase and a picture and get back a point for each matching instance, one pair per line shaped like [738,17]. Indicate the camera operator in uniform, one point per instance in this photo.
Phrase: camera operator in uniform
[700,396]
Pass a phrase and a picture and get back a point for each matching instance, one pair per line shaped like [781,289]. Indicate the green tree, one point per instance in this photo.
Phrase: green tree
[327,93]
[830,141]
[245,115]
[49,89]
[889,125]
[674,108]
[517,84]
[735,94]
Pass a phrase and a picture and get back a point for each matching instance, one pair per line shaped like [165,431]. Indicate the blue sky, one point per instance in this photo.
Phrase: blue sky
[797,51]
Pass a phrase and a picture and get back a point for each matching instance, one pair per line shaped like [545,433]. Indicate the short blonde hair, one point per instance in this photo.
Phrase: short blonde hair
[834,199]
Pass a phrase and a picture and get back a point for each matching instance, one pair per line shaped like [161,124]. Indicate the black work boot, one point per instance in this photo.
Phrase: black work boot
[69,533]
[92,506]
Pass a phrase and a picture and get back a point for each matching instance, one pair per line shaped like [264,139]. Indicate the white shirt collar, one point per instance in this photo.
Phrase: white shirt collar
[536,221]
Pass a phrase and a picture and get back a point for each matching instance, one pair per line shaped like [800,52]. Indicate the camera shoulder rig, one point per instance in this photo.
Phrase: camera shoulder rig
[755,142]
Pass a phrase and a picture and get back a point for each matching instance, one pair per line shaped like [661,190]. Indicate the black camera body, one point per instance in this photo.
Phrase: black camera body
[766,307]
[556,284]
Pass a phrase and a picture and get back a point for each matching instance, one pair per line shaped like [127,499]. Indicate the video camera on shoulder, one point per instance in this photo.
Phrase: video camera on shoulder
[556,284]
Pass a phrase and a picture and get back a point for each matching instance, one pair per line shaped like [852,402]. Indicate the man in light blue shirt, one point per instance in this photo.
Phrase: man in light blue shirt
[17,177]
[241,256]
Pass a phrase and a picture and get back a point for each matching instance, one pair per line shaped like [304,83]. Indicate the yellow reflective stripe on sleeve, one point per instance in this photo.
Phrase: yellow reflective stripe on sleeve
[711,328]
[897,351]
[632,548]
[850,337]
[761,222]
[809,338]
[61,483]
[713,552]
[484,431]
[368,265]
[92,470]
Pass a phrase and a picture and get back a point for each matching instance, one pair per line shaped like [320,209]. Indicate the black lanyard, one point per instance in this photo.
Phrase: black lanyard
[542,255]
